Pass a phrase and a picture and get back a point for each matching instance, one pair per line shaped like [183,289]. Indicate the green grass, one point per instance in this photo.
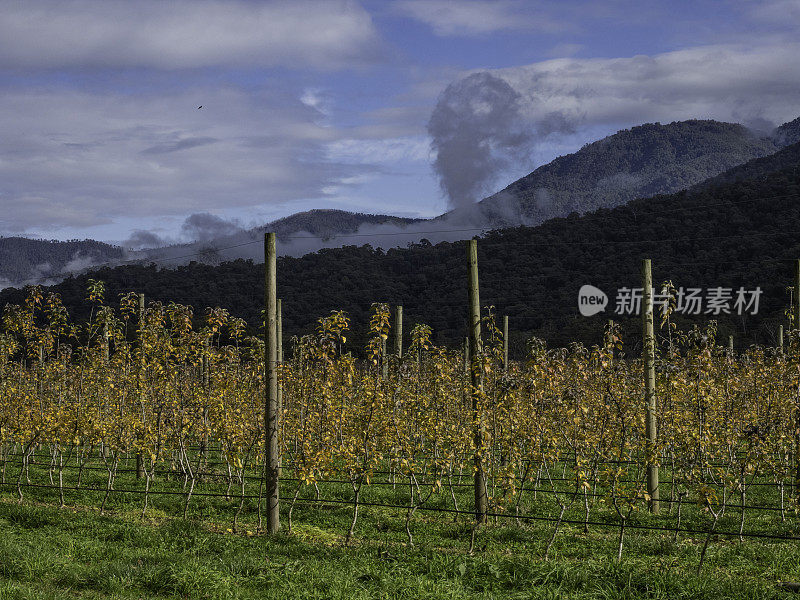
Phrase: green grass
[75,552]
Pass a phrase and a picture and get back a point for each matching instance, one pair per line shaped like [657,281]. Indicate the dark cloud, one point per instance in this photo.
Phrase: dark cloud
[760,126]
[555,122]
[140,239]
[202,227]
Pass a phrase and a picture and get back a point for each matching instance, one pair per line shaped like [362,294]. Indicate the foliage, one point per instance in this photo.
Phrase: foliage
[568,419]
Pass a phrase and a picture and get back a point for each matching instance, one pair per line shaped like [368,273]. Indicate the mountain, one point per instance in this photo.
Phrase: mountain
[755,169]
[639,162]
[788,133]
[633,163]
[740,232]
[314,228]
[327,223]
[23,258]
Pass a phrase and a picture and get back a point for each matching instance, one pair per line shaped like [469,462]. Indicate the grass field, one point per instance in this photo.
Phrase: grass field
[75,552]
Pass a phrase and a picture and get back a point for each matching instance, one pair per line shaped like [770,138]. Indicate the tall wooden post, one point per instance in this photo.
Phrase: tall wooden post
[205,380]
[475,351]
[105,343]
[106,348]
[139,457]
[648,355]
[279,350]
[271,381]
[796,327]
[279,355]
[780,339]
[796,322]
[730,346]
[398,332]
[384,360]
[505,343]
[466,379]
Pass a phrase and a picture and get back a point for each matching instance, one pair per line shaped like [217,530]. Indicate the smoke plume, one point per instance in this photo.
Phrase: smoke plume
[477,130]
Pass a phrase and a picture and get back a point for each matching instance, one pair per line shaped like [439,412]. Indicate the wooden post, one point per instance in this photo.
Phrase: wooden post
[139,457]
[780,339]
[505,344]
[796,325]
[475,351]
[466,373]
[648,356]
[730,346]
[398,332]
[205,381]
[279,355]
[796,322]
[271,381]
[384,360]
[279,350]
[106,351]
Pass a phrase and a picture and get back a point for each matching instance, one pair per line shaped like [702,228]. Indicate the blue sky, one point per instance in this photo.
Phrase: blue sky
[326,104]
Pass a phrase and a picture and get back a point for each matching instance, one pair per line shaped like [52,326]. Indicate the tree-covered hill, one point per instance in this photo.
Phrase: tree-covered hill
[755,169]
[21,258]
[788,133]
[327,222]
[745,233]
[633,163]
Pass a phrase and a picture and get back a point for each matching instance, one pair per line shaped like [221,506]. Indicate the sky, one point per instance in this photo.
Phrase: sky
[372,106]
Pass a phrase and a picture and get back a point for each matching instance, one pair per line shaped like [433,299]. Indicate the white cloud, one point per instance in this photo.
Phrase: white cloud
[185,33]
[470,17]
[723,82]
[316,99]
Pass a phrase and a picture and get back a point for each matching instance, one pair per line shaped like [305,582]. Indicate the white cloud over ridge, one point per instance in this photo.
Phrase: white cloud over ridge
[746,84]
[182,34]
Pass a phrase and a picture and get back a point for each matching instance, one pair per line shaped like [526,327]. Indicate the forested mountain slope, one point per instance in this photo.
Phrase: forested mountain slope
[633,163]
[21,258]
